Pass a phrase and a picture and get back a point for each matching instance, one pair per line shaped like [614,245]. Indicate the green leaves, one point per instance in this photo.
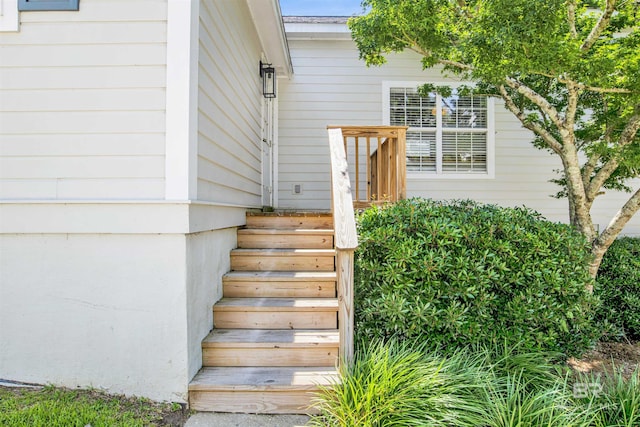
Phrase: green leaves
[618,285]
[468,273]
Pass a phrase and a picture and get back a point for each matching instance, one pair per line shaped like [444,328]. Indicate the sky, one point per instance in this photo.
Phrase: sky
[320,7]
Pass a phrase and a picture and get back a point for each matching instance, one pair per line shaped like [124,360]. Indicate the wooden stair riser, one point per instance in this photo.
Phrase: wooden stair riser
[311,221]
[274,356]
[254,402]
[282,239]
[258,390]
[287,261]
[275,320]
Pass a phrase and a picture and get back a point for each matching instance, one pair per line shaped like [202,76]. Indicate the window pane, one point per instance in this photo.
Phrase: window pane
[421,151]
[407,108]
[464,112]
[464,152]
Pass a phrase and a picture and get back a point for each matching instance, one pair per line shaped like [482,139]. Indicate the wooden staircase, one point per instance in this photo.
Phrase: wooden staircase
[275,336]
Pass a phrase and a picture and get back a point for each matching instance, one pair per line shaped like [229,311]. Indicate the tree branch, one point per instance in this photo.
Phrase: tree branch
[583,86]
[551,141]
[607,237]
[588,170]
[600,25]
[620,219]
[572,105]
[626,137]
[600,89]
[537,99]
[429,54]
[462,4]
[455,64]
[571,17]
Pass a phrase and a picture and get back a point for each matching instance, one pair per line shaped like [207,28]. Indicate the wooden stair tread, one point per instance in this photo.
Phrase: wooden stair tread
[254,338]
[294,231]
[283,252]
[296,213]
[276,304]
[262,378]
[280,276]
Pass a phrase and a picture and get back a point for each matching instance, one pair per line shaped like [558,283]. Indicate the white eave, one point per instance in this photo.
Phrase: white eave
[267,19]
[317,28]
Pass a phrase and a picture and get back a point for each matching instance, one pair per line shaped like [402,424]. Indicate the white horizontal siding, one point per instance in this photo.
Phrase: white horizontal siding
[82,103]
[229,103]
[331,86]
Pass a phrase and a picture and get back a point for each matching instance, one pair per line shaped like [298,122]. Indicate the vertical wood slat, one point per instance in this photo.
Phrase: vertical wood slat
[357,162]
[368,169]
[379,175]
[402,163]
[393,168]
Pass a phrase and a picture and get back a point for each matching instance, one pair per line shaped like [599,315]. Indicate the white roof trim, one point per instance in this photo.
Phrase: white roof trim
[317,30]
[267,19]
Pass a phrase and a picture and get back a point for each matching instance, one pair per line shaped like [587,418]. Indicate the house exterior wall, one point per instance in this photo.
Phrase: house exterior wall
[207,261]
[106,311]
[229,105]
[331,86]
[82,100]
[121,187]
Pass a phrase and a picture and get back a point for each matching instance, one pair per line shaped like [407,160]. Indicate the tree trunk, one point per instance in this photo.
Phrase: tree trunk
[578,207]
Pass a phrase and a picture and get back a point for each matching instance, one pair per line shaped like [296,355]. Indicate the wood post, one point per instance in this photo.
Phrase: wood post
[344,272]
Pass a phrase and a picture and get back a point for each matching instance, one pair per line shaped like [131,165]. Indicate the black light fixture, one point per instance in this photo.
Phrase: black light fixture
[268,74]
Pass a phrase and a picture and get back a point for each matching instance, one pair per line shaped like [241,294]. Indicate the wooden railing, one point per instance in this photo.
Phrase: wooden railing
[377,155]
[346,240]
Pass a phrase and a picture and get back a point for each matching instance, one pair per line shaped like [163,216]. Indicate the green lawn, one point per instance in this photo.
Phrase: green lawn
[53,407]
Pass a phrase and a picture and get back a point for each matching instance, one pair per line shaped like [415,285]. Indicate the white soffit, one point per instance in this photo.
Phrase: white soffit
[317,28]
[267,19]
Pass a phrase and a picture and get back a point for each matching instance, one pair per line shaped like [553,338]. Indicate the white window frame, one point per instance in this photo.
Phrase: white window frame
[9,15]
[439,174]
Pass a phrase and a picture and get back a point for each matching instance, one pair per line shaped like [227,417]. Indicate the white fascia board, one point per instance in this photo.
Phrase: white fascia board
[116,217]
[267,19]
[317,31]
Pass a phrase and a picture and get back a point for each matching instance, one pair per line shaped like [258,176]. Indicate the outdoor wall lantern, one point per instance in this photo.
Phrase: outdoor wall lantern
[268,74]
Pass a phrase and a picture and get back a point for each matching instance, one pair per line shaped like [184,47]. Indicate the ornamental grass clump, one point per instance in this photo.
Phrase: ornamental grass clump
[612,397]
[397,384]
[402,384]
[466,273]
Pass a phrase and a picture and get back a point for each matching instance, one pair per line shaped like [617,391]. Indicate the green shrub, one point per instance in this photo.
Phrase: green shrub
[618,286]
[464,273]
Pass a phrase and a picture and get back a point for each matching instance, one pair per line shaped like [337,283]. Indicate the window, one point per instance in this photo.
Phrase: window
[447,137]
[48,4]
